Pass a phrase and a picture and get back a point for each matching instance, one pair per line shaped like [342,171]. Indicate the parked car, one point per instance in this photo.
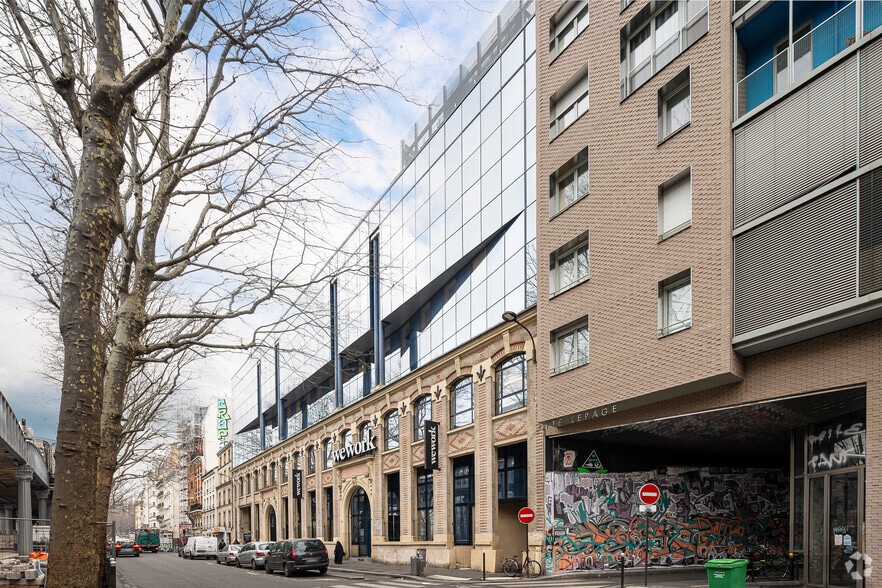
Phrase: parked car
[124,548]
[297,555]
[253,554]
[197,547]
[227,555]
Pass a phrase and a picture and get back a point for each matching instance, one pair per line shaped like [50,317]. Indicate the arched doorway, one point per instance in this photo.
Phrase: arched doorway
[271,516]
[360,524]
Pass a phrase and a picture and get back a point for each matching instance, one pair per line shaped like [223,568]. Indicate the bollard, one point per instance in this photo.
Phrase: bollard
[622,568]
[484,566]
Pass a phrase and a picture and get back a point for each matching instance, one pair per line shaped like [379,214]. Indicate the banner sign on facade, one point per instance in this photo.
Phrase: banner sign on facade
[431,445]
[297,480]
[223,420]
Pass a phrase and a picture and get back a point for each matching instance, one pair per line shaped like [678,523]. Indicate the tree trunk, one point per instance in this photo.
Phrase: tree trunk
[77,527]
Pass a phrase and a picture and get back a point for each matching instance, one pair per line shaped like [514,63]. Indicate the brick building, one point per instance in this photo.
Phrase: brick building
[404,422]
[723,261]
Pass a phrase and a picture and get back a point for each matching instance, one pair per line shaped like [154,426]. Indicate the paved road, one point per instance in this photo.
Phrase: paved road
[166,570]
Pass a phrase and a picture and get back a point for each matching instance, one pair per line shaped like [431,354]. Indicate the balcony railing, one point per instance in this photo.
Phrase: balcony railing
[806,54]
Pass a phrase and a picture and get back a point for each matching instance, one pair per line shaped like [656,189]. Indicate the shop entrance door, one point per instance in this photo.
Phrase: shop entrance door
[835,518]
[360,524]
[272,524]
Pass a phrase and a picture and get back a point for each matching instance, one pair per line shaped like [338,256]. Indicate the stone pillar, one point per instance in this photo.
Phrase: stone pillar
[24,474]
[5,520]
[43,507]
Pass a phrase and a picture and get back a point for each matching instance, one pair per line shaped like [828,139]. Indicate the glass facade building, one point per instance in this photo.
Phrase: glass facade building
[442,253]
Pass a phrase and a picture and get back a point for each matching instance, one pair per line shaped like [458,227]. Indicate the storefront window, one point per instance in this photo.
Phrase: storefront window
[393,522]
[463,499]
[512,472]
[425,505]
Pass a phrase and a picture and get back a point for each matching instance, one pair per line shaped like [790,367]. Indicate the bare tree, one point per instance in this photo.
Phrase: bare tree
[168,155]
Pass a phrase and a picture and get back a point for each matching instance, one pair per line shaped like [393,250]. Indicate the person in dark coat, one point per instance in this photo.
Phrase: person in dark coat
[339,554]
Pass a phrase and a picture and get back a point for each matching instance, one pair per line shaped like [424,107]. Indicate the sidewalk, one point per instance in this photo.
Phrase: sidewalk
[689,577]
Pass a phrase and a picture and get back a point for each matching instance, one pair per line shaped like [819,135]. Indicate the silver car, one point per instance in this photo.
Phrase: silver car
[227,555]
[253,554]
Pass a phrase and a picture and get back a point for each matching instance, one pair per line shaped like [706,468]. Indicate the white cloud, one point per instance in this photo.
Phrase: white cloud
[422,56]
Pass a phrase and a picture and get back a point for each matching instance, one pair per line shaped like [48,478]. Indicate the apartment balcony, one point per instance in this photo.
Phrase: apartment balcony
[772,58]
[808,205]
[196,507]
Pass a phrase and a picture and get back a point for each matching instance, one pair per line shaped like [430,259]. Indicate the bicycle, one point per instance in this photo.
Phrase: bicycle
[512,566]
[766,562]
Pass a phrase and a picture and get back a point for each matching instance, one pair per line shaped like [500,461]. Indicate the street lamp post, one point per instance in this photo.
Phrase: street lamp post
[512,317]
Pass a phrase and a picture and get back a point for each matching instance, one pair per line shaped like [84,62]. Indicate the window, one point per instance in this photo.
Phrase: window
[329,454]
[674,105]
[655,36]
[675,205]
[365,433]
[675,304]
[310,460]
[312,515]
[425,505]
[393,501]
[462,404]
[422,411]
[329,514]
[512,472]
[569,102]
[347,437]
[566,24]
[569,347]
[273,478]
[392,430]
[569,183]
[569,265]
[802,57]
[463,499]
[511,384]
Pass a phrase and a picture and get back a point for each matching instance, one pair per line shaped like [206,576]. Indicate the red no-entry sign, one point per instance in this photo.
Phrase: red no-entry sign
[649,493]
[526,515]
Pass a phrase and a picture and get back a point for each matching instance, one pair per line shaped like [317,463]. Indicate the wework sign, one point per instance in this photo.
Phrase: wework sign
[297,483]
[431,440]
[355,450]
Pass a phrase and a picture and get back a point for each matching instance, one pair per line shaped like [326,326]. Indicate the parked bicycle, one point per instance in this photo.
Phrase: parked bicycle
[767,563]
[531,567]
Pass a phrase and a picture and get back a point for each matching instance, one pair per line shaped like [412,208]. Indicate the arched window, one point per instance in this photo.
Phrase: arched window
[310,460]
[347,437]
[329,454]
[462,404]
[392,438]
[365,432]
[511,384]
[422,411]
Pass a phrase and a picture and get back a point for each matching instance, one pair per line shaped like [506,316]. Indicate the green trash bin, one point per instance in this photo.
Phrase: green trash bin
[726,573]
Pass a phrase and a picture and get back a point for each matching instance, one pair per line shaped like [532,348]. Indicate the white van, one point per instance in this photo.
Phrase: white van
[200,547]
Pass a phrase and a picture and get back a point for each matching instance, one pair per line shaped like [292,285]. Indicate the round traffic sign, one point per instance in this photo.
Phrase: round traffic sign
[649,493]
[526,515]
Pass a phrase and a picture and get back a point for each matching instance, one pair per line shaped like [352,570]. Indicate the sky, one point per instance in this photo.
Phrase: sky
[445,31]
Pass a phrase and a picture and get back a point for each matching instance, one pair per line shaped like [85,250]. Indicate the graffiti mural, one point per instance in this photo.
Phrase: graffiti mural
[593,519]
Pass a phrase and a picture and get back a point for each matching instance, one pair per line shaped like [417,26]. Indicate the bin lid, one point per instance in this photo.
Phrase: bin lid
[725,563]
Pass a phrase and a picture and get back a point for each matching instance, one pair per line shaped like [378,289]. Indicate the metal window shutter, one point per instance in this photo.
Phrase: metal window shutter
[798,145]
[871,232]
[871,103]
[796,263]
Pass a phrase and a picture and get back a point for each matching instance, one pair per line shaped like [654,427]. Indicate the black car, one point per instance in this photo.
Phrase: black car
[127,548]
[297,555]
